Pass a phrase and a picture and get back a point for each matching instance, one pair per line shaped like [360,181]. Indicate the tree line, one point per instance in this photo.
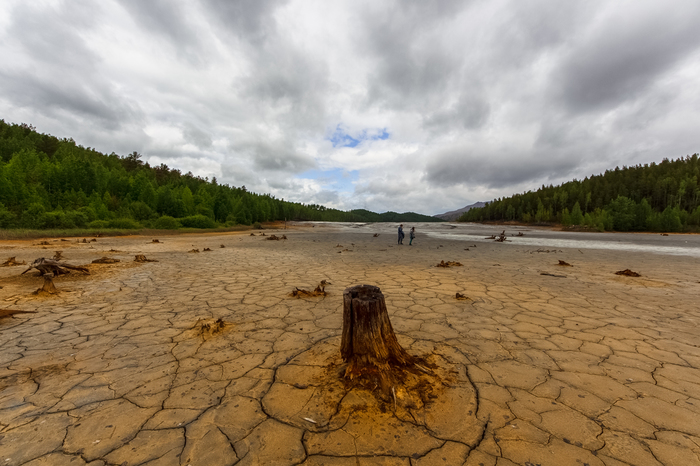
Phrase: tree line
[49,182]
[649,197]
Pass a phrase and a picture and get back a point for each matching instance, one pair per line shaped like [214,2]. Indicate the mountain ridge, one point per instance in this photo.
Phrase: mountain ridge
[455,214]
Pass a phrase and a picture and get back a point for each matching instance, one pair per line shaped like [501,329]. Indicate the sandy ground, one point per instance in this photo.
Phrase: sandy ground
[127,365]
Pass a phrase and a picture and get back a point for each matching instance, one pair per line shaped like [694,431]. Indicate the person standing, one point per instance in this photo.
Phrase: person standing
[401,235]
[412,235]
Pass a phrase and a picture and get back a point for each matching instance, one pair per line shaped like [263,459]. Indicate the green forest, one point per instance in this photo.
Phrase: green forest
[662,197]
[52,183]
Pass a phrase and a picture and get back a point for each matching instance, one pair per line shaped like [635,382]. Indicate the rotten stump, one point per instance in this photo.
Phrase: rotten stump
[374,357]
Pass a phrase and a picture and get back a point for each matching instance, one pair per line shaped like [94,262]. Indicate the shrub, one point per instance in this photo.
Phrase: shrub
[257,226]
[77,218]
[123,223]
[166,223]
[97,224]
[7,218]
[197,221]
[55,219]
[140,210]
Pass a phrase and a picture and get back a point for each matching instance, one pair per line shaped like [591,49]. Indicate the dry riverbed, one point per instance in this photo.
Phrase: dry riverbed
[208,358]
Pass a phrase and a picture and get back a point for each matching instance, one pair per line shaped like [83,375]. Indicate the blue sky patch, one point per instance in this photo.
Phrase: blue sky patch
[342,138]
[336,179]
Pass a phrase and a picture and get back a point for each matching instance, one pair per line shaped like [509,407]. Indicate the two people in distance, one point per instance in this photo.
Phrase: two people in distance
[412,235]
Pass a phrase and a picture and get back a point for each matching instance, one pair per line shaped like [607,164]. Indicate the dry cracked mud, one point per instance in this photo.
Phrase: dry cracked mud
[204,359]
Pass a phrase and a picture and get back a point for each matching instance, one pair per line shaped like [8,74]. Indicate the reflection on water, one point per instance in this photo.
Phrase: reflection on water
[672,245]
[560,243]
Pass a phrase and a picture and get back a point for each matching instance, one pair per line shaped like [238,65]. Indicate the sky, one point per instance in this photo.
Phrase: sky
[392,105]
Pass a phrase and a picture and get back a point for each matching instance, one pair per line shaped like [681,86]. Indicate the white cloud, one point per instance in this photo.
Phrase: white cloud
[479,99]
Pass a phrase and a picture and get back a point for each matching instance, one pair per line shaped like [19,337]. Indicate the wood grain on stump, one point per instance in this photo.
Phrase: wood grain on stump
[369,345]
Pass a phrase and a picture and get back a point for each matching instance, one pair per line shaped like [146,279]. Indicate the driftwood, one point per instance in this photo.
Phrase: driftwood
[58,256]
[142,258]
[155,241]
[105,260]
[11,312]
[319,291]
[193,250]
[252,234]
[552,275]
[11,262]
[449,264]
[520,233]
[46,266]
[222,246]
[374,357]
[502,237]
[206,249]
[628,273]
[565,264]
[375,235]
[461,296]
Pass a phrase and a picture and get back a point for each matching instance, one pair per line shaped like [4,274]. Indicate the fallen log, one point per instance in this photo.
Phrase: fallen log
[628,273]
[105,260]
[46,266]
[11,312]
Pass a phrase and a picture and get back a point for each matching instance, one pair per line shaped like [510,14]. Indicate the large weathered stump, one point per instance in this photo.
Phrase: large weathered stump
[49,287]
[369,345]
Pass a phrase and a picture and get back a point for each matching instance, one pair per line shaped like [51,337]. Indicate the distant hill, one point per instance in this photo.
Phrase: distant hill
[455,214]
[367,216]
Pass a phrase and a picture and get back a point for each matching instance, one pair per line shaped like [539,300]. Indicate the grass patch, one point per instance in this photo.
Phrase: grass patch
[92,232]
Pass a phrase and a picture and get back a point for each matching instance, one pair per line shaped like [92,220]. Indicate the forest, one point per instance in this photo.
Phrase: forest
[663,197]
[53,183]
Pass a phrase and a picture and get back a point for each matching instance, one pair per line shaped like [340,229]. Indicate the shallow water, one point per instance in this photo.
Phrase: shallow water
[671,245]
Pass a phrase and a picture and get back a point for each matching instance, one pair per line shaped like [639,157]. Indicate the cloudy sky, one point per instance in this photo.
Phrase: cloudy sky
[422,106]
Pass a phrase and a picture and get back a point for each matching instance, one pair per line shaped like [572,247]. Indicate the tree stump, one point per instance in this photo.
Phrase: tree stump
[369,346]
[49,287]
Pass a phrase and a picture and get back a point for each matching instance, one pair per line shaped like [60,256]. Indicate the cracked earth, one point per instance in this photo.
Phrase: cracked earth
[128,365]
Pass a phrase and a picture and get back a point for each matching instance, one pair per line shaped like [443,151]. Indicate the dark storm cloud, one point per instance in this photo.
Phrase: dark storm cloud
[274,155]
[623,53]
[58,72]
[250,20]
[462,166]
[194,135]
[51,37]
[61,100]
[168,19]
[412,68]
[469,112]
